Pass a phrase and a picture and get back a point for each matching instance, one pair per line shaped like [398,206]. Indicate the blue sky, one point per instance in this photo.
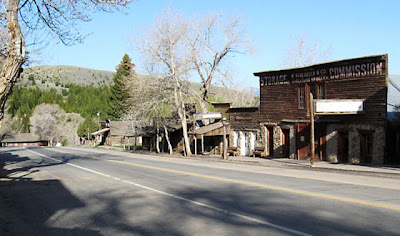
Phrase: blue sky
[350,28]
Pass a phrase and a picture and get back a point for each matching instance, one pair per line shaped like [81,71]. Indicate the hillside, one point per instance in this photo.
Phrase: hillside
[46,76]
[59,76]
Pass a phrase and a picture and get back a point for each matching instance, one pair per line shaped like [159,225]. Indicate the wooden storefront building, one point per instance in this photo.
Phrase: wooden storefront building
[343,133]
[245,129]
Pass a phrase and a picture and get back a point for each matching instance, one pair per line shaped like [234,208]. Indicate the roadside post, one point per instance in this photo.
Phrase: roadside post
[312,129]
[224,142]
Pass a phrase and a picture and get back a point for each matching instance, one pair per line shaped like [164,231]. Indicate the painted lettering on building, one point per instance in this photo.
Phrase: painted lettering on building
[356,68]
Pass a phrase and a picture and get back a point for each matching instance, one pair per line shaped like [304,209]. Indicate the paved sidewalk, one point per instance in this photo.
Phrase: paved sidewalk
[379,170]
[320,165]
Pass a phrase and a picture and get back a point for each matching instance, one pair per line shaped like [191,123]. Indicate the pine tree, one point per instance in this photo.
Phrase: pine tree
[118,101]
[88,125]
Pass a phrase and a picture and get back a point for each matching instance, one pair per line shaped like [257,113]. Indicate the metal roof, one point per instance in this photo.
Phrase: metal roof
[102,131]
[21,138]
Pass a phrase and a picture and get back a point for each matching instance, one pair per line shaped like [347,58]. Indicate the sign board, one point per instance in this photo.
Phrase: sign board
[345,69]
[203,116]
[338,106]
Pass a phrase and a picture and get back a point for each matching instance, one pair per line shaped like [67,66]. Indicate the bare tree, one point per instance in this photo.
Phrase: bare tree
[211,42]
[45,17]
[304,53]
[46,121]
[166,55]
[152,99]
[69,126]
[238,96]
[134,118]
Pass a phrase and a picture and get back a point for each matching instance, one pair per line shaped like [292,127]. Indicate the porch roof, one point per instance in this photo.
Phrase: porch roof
[102,131]
[211,129]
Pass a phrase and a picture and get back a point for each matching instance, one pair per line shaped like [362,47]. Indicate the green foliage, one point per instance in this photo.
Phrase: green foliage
[88,125]
[23,101]
[64,142]
[118,100]
[64,92]
[85,100]
[31,78]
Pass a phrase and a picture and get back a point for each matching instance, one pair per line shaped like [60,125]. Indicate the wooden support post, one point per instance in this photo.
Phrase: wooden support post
[202,143]
[312,129]
[225,145]
[195,145]
[124,142]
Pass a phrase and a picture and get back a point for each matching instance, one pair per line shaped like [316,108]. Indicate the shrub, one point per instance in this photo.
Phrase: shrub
[64,142]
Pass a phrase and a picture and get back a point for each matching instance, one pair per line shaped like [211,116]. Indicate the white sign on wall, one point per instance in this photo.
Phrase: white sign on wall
[203,116]
[339,106]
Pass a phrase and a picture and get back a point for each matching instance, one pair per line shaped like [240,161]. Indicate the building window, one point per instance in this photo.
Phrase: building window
[313,91]
[321,91]
[317,90]
[302,97]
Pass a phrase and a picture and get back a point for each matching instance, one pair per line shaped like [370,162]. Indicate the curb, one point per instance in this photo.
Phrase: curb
[258,163]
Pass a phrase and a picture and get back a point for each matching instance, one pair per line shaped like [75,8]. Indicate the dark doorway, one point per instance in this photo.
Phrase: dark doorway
[270,141]
[366,148]
[303,141]
[343,147]
[320,142]
[285,142]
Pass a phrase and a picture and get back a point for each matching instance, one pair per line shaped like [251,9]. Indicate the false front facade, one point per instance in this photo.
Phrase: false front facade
[349,110]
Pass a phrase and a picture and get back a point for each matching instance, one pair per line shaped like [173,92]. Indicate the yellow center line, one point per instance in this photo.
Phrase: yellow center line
[270,187]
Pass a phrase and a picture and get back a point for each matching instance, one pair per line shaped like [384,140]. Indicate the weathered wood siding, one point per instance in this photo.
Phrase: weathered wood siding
[373,90]
[280,102]
[359,78]
[244,118]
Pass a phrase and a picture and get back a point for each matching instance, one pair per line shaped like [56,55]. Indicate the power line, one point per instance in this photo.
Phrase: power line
[394,85]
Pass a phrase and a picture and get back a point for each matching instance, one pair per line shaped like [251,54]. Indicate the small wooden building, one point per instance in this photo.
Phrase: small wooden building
[209,138]
[343,133]
[245,129]
[117,133]
[245,132]
[22,140]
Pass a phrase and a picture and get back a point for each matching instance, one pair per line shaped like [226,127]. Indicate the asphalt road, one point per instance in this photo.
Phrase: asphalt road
[78,191]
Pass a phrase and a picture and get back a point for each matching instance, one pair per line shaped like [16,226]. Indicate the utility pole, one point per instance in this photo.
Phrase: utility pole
[88,135]
[312,129]
[224,137]
[98,118]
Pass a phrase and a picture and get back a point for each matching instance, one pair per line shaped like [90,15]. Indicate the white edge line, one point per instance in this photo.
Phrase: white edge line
[184,199]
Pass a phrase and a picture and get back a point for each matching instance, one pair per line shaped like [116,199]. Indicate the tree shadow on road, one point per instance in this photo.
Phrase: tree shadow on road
[17,164]
[114,207]
[301,213]
[27,205]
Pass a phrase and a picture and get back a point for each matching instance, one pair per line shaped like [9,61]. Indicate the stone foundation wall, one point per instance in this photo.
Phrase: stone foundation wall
[331,143]
[293,151]
[354,136]
[277,139]
[277,136]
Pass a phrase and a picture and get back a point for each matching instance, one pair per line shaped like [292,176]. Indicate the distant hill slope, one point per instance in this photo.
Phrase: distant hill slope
[59,77]
[53,76]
